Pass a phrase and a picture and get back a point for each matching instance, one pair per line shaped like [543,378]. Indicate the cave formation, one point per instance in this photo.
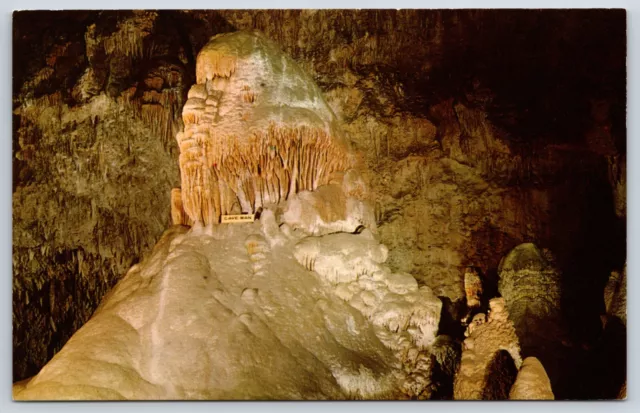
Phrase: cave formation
[437,204]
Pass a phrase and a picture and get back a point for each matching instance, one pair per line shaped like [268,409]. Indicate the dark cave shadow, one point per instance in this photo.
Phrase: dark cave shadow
[450,316]
[501,374]
[588,241]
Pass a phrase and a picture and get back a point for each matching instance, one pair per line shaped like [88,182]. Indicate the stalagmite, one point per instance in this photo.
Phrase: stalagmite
[257,130]
[531,287]
[530,284]
[532,382]
[487,336]
[472,287]
[473,292]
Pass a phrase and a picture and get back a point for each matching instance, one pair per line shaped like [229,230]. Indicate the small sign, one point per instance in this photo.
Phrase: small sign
[238,219]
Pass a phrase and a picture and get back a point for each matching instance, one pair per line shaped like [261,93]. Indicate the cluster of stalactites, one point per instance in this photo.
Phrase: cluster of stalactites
[219,172]
[214,63]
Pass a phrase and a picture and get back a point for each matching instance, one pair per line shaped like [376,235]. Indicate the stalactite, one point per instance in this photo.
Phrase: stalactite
[223,160]
[178,215]
[129,39]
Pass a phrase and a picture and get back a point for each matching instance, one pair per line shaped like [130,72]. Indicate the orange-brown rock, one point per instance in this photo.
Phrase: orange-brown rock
[257,130]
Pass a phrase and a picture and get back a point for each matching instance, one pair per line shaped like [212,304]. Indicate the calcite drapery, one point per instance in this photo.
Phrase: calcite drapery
[257,130]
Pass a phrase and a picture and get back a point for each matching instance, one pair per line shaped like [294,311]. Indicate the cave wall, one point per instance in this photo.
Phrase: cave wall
[481,130]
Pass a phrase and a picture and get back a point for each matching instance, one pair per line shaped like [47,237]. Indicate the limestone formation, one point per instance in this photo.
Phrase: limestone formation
[332,208]
[216,310]
[532,382]
[457,173]
[485,340]
[406,316]
[221,315]
[473,292]
[472,288]
[178,215]
[529,284]
[257,130]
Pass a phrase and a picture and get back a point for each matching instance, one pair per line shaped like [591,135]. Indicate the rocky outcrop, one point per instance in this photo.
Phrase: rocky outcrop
[490,356]
[230,297]
[405,316]
[532,382]
[530,285]
[353,265]
[222,314]
[195,321]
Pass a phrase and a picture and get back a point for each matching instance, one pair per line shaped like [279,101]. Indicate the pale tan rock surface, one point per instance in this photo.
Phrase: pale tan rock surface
[472,288]
[486,336]
[220,314]
[532,382]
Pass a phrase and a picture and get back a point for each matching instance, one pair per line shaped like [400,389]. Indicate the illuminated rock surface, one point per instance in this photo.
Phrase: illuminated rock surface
[257,130]
[225,311]
[220,314]
[463,160]
[488,337]
[532,382]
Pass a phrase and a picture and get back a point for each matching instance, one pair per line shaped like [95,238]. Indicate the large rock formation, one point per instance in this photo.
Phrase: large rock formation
[231,311]
[231,314]
[491,367]
[531,287]
[221,315]
[466,158]
[257,130]
[490,356]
